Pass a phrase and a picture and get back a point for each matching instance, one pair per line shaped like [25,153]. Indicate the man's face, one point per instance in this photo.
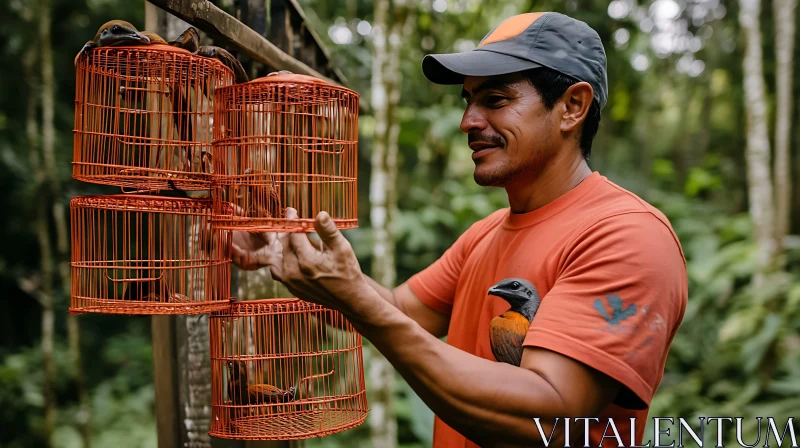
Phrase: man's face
[511,133]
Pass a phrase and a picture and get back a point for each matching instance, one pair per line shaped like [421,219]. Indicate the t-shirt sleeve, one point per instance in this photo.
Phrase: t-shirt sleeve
[436,285]
[618,299]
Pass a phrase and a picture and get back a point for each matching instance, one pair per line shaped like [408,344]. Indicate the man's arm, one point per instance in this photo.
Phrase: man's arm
[258,250]
[404,299]
[491,403]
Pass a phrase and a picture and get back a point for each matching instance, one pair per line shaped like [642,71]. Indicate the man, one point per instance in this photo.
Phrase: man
[608,268]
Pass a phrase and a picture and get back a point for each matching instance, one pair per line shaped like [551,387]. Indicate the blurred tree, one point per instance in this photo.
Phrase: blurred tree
[42,289]
[59,215]
[388,36]
[758,145]
[785,15]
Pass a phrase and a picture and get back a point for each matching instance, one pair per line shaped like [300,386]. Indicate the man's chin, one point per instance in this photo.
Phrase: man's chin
[489,180]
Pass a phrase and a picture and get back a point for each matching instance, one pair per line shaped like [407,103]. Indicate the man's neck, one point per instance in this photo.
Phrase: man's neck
[560,175]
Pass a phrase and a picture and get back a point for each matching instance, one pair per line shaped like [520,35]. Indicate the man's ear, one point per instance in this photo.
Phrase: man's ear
[578,100]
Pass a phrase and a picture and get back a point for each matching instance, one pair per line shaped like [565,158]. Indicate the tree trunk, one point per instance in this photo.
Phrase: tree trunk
[47,321]
[758,145]
[44,292]
[181,358]
[785,14]
[386,89]
[381,418]
[59,216]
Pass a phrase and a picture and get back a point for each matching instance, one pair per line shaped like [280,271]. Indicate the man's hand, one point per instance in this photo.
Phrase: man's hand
[325,271]
[253,250]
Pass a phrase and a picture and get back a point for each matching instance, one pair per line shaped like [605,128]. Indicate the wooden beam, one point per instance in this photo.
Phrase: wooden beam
[222,26]
[165,379]
[299,10]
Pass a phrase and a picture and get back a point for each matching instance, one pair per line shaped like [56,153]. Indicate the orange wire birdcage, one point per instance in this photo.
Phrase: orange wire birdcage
[136,254]
[284,369]
[143,117]
[285,141]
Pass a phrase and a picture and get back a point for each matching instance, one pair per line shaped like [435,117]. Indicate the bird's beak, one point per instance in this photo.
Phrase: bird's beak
[494,291]
[127,38]
[137,37]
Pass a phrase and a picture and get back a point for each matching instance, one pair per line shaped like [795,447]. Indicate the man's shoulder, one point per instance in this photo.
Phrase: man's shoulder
[488,223]
[610,200]
[484,226]
[614,207]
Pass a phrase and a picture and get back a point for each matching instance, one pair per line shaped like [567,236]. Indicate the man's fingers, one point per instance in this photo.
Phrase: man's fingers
[267,255]
[241,258]
[301,246]
[283,237]
[276,272]
[263,236]
[328,232]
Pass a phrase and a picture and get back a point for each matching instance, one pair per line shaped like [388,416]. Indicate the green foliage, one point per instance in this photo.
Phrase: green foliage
[738,348]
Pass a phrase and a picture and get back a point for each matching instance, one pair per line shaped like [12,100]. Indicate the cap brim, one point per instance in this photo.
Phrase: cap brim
[453,67]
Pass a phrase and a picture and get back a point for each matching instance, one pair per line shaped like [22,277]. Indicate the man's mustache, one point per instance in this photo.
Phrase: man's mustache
[495,140]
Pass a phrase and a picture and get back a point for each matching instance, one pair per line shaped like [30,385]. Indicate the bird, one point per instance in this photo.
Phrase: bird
[154,290]
[122,33]
[188,40]
[227,59]
[507,331]
[242,393]
[114,33]
[264,200]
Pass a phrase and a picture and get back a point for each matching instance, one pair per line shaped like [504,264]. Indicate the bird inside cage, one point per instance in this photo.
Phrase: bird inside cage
[156,106]
[155,290]
[259,196]
[241,392]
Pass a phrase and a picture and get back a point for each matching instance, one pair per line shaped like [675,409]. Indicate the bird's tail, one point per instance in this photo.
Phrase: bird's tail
[310,377]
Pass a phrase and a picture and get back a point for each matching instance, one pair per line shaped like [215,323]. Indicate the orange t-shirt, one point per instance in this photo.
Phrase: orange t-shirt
[584,251]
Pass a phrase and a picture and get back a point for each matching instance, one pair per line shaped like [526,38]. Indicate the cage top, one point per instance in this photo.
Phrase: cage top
[303,89]
[290,78]
[182,53]
[150,47]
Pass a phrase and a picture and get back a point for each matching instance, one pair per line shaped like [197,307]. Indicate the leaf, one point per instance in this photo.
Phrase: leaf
[740,324]
[754,349]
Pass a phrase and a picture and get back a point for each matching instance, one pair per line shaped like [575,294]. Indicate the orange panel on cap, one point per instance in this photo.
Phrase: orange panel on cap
[512,27]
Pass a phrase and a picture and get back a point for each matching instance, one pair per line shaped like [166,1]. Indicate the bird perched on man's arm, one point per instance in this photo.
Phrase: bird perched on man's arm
[507,331]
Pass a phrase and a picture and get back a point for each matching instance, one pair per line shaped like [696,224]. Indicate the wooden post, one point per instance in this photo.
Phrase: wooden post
[181,363]
[181,358]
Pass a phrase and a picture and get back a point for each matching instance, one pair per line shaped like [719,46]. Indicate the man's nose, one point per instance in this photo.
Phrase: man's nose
[473,120]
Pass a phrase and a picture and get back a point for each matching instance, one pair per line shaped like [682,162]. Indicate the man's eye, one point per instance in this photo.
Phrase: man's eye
[495,99]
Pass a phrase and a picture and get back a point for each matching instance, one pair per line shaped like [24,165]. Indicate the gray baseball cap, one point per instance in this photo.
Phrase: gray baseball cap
[526,41]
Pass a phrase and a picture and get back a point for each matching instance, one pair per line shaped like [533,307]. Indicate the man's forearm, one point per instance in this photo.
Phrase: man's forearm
[383,291]
[462,389]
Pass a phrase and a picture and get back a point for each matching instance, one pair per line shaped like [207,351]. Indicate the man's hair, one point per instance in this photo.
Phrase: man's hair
[551,85]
